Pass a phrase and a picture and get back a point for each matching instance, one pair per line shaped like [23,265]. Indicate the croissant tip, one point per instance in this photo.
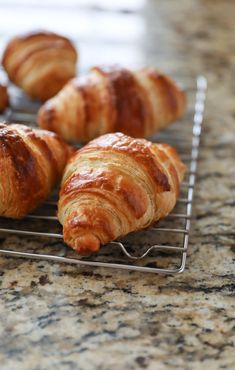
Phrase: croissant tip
[87,244]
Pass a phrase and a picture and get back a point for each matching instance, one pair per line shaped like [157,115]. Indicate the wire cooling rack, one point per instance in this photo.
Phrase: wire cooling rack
[159,249]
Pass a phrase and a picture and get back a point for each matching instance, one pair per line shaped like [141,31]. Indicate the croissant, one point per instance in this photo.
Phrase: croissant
[40,63]
[136,103]
[31,162]
[4,99]
[115,185]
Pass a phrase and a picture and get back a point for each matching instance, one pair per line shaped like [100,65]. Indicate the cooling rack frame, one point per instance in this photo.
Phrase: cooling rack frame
[200,97]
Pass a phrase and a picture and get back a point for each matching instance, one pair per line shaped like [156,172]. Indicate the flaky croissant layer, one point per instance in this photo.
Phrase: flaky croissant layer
[137,103]
[31,162]
[41,63]
[115,185]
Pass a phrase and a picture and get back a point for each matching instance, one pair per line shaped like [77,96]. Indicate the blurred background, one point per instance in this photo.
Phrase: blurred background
[104,31]
[168,34]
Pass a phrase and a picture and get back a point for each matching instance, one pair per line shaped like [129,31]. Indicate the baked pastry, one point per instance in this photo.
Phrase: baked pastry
[115,185]
[31,162]
[40,63]
[4,99]
[137,103]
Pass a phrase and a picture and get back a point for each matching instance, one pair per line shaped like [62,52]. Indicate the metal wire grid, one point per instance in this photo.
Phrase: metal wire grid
[131,260]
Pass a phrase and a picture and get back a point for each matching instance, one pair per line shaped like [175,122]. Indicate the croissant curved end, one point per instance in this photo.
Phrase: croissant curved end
[86,244]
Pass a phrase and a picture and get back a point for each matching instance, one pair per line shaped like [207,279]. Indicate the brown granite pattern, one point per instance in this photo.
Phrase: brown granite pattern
[65,317]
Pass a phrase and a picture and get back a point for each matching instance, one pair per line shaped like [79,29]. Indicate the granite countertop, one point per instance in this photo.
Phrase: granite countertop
[64,317]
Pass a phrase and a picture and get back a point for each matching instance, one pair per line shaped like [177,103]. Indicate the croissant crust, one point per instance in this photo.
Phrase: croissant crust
[40,63]
[31,162]
[115,185]
[4,99]
[137,103]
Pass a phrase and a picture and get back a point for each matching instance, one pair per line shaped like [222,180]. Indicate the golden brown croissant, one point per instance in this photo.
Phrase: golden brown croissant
[40,63]
[137,103]
[31,162]
[4,99]
[115,185]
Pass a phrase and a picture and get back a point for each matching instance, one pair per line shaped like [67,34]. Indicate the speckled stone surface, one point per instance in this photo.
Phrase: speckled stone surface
[63,317]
